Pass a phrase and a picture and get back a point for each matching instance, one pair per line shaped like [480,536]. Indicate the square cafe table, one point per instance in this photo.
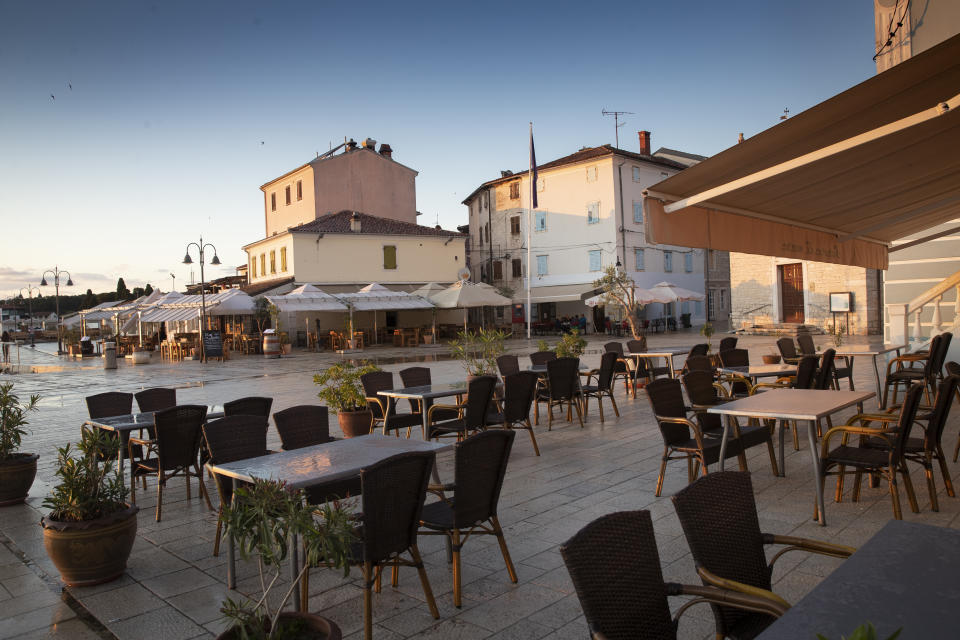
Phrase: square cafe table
[667,353]
[426,394]
[904,577]
[874,350]
[809,405]
[315,465]
[756,371]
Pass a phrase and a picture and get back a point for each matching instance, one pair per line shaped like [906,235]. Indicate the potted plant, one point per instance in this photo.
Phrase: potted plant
[478,352]
[707,332]
[17,470]
[265,519]
[774,356]
[837,335]
[543,345]
[90,528]
[343,392]
[571,345]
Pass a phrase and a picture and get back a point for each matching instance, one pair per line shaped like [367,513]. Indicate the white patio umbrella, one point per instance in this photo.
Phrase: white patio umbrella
[642,296]
[675,293]
[427,290]
[465,294]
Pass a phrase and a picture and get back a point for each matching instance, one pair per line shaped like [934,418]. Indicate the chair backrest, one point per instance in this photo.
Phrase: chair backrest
[936,368]
[374,382]
[908,413]
[110,403]
[940,413]
[519,390]
[236,438]
[608,362]
[825,372]
[393,491]
[718,514]
[700,390]
[615,347]
[562,376]
[735,358]
[415,377]
[637,346]
[953,368]
[479,394]
[699,363]
[178,434]
[730,342]
[508,364]
[666,400]
[302,426]
[805,340]
[806,372]
[251,406]
[787,348]
[634,604]
[542,357]
[480,463]
[699,350]
[156,399]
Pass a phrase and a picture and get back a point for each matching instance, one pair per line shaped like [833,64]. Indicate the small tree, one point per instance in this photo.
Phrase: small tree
[147,290]
[261,313]
[122,292]
[89,299]
[618,289]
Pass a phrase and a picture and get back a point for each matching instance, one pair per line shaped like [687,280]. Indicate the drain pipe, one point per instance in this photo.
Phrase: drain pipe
[623,232]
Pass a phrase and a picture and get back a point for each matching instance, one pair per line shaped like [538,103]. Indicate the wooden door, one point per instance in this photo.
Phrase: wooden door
[791,292]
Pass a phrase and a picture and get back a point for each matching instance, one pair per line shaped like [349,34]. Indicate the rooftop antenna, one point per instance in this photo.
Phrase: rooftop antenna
[616,123]
[786,114]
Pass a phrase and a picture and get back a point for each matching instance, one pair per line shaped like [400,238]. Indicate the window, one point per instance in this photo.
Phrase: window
[688,262]
[591,174]
[497,270]
[668,261]
[517,267]
[636,174]
[723,304]
[540,222]
[389,256]
[712,305]
[481,234]
[515,225]
[286,192]
[253,267]
[697,308]
[263,264]
[273,202]
[283,259]
[541,265]
[593,213]
[299,190]
[638,259]
[273,262]
[638,212]
[596,261]
[514,190]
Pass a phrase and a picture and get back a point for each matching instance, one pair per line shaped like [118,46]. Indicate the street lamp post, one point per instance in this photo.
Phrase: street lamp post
[57,273]
[203,295]
[30,290]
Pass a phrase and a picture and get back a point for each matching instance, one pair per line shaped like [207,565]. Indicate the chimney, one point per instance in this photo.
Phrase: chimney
[355,222]
[505,173]
[740,138]
[644,142]
[386,151]
[370,143]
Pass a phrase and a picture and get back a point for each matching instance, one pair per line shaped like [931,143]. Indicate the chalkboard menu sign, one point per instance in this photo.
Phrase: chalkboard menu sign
[213,344]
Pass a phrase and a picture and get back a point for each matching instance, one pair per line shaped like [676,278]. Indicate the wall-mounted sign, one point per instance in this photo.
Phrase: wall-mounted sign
[841,302]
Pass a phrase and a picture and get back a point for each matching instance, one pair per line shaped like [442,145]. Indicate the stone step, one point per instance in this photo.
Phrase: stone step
[780,328]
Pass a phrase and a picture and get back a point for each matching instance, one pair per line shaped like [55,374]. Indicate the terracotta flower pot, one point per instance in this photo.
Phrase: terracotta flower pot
[355,423]
[771,359]
[314,627]
[94,551]
[16,477]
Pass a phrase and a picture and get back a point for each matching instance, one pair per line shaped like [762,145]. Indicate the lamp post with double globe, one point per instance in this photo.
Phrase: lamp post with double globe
[201,247]
[57,273]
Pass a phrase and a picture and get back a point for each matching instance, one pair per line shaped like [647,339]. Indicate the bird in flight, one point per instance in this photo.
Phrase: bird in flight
[52,97]
[70,85]
[261,143]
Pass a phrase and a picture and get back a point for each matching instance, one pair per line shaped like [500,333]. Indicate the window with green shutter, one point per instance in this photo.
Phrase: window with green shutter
[389,256]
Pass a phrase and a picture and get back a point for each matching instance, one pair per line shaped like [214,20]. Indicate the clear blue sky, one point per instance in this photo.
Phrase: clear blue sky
[159,139]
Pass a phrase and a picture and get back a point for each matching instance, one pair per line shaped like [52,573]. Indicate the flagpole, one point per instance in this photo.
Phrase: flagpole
[529,224]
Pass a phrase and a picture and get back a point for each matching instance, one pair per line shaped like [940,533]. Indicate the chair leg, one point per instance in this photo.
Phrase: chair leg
[160,482]
[377,575]
[857,478]
[841,472]
[690,472]
[948,483]
[216,541]
[931,485]
[599,406]
[424,581]
[133,482]
[579,413]
[773,458]
[895,495]
[663,469]
[203,488]
[796,436]
[908,486]
[533,438]
[614,403]
[395,573]
[367,601]
[186,478]
[498,530]
[455,548]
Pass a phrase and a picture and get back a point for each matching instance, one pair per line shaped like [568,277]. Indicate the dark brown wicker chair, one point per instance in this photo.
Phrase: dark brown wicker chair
[474,411]
[718,514]
[645,368]
[563,386]
[252,406]
[480,463]
[540,358]
[420,377]
[699,450]
[788,350]
[696,351]
[508,364]
[615,569]
[730,342]
[393,494]
[888,461]
[803,379]
[302,426]
[604,386]
[385,409]
[111,403]
[805,342]
[740,386]
[925,373]
[624,368]
[701,363]
[177,449]
[230,439]
[519,391]
[156,399]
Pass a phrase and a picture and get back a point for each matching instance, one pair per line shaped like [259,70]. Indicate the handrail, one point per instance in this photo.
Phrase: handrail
[935,291]
[763,306]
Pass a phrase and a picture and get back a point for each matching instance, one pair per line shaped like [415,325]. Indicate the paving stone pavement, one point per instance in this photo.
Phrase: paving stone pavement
[174,586]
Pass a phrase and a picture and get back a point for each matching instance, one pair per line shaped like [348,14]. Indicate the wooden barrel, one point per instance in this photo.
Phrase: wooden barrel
[271,345]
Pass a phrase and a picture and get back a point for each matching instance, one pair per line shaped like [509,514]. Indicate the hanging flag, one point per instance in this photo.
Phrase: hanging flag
[533,170]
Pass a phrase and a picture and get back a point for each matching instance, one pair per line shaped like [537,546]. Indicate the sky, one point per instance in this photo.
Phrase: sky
[129,129]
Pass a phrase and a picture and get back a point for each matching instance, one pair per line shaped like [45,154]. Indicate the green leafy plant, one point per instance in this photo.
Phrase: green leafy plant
[264,519]
[479,351]
[261,313]
[619,289]
[865,631]
[707,332]
[571,345]
[342,389]
[89,486]
[274,312]
[838,334]
[13,419]
[542,345]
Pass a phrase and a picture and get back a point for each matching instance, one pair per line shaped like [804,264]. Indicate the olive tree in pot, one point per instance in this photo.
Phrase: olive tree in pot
[265,519]
[90,528]
[17,470]
[571,345]
[343,392]
[478,352]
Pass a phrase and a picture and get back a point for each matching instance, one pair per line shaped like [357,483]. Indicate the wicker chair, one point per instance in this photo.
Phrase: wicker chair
[385,409]
[701,363]
[540,358]
[740,386]
[519,391]
[696,351]
[615,569]
[420,377]
[906,376]
[888,461]
[604,386]
[718,514]
[563,386]
[666,400]
[156,399]
[805,342]
[624,368]
[788,350]
[803,379]
[111,403]
[252,406]
[730,342]
[393,494]
[508,365]
[473,410]
[480,463]
[177,449]
[645,368]
[230,439]
[301,426]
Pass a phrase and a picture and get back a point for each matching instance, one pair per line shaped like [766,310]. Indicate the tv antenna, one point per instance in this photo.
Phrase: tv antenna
[786,114]
[616,123]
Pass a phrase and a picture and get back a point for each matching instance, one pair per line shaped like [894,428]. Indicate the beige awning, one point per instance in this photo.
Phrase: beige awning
[553,293]
[837,183]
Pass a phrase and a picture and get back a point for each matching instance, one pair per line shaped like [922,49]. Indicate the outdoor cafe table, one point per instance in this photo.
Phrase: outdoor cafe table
[756,371]
[316,465]
[904,577]
[874,350]
[123,425]
[809,405]
[667,353]
[426,394]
